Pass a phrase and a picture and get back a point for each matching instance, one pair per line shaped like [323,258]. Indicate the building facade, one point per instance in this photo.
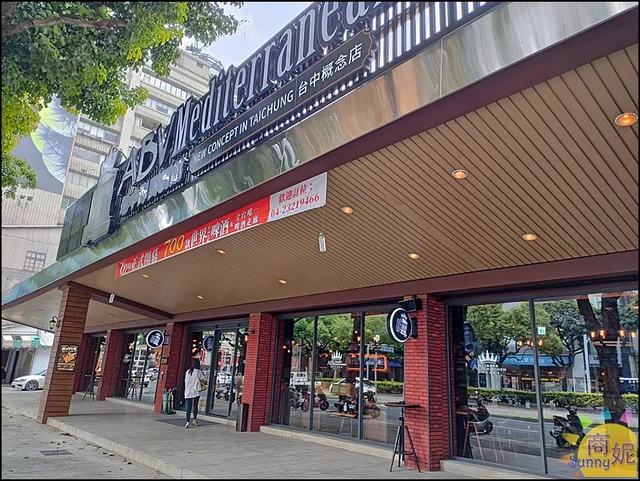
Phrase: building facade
[32,223]
[444,188]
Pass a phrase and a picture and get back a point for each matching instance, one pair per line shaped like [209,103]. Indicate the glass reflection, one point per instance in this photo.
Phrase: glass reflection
[496,415]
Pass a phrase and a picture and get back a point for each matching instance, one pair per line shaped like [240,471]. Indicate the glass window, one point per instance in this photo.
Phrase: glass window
[588,369]
[34,261]
[138,375]
[67,201]
[110,137]
[496,414]
[87,154]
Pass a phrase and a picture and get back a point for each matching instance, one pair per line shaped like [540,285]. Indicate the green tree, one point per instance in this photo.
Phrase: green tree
[507,332]
[80,51]
[568,324]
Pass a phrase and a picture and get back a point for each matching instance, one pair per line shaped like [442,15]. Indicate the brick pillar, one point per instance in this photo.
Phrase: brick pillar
[258,376]
[82,360]
[425,383]
[171,373]
[58,387]
[111,361]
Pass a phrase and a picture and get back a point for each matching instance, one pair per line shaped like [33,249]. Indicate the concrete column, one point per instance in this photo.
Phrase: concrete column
[59,385]
[111,361]
[171,374]
[425,383]
[258,374]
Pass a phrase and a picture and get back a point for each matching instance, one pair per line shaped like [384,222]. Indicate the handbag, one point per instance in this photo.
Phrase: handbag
[200,386]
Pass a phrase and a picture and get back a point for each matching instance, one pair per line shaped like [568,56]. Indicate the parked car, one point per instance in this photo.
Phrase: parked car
[369,387]
[30,382]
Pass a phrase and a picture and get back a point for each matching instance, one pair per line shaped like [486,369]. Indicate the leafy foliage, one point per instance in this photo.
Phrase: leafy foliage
[80,51]
[503,332]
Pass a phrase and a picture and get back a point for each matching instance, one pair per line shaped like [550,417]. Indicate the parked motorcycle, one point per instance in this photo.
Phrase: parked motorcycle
[223,391]
[349,405]
[295,399]
[320,402]
[570,425]
[480,416]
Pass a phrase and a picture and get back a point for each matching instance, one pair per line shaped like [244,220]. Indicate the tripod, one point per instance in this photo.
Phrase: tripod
[399,447]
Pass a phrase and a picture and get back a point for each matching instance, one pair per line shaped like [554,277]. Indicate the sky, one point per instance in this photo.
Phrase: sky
[263,21]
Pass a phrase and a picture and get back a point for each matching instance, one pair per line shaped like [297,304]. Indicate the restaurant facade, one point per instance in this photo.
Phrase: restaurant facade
[416,210]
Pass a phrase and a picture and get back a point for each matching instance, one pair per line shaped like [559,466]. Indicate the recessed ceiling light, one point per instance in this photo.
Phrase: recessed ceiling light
[282,281]
[220,251]
[200,297]
[110,315]
[413,255]
[347,210]
[145,276]
[529,237]
[459,174]
[626,120]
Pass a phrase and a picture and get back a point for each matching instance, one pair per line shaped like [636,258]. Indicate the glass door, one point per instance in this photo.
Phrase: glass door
[223,371]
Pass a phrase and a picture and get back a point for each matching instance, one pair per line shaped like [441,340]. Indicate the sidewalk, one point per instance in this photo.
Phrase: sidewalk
[212,450]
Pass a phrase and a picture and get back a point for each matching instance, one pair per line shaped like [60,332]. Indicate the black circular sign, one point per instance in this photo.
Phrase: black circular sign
[155,339]
[399,325]
[207,343]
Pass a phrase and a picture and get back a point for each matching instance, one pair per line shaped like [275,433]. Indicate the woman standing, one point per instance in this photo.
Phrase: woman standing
[192,387]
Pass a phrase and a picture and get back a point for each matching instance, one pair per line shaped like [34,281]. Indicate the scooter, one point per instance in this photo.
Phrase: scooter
[294,399]
[480,416]
[321,401]
[222,391]
[569,425]
[349,405]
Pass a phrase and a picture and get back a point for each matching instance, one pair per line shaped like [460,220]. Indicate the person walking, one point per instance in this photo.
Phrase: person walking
[192,386]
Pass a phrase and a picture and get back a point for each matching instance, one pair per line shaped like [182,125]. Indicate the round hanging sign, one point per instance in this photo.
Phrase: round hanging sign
[155,339]
[399,325]
[207,343]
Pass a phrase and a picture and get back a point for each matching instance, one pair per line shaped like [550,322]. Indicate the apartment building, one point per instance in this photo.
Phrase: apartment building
[32,223]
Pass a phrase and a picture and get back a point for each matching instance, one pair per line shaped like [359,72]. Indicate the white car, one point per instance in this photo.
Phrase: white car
[30,382]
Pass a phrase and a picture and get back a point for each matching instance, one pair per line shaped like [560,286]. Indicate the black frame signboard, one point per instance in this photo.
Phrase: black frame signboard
[67,357]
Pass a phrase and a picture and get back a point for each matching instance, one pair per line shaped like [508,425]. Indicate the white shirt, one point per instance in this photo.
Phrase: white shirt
[191,382]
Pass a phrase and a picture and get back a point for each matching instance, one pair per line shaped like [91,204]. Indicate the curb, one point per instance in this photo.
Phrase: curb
[326,440]
[474,470]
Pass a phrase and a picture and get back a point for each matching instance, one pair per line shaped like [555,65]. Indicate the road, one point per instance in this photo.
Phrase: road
[23,441]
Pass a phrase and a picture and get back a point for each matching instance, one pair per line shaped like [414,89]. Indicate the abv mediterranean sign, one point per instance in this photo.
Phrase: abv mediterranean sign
[399,325]
[308,62]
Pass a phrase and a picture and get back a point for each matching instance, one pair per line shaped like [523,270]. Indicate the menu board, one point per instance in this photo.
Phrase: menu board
[67,357]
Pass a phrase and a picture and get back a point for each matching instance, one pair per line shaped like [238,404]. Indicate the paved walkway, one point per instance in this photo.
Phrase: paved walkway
[210,451]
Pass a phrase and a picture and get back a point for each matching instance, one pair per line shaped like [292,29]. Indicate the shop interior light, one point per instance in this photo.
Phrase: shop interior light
[529,237]
[414,256]
[200,297]
[459,174]
[282,281]
[221,251]
[347,210]
[627,119]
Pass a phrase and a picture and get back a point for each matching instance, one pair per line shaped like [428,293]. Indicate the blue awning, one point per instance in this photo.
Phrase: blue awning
[393,364]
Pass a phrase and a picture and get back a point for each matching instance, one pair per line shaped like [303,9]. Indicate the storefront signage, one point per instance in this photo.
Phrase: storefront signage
[399,325]
[385,348]
[155,339]
[336,360]
[299,198]
[375,362]
[207,343]
[67,357]
[326,47]
[528,360]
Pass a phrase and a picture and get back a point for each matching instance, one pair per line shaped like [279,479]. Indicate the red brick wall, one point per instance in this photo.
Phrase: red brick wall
[110,363]
[171,373]
[426,384]
[259,369]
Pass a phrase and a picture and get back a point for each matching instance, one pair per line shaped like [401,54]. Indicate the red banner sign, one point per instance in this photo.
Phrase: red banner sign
[299,198]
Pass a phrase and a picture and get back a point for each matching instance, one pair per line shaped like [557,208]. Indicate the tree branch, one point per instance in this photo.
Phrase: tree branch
[103,24]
